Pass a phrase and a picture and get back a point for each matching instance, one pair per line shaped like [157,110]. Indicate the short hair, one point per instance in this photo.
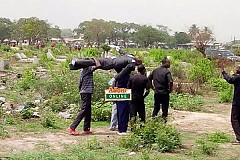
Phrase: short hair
[165,60]
[141,68]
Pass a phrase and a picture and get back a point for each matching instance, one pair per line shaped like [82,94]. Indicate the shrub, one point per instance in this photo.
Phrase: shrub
[28,80]
[168,139]
[101,111]
[155,131]
[93,144]
[6,48]
[218,137]
[92,52]
[186,102]
[201,71]
[226,95]
[27,113]
[3,132]
[106,48]
[49,121]
[207,147]
[101,83]
[218,84]
[132,142]
[9,119]
[56,103]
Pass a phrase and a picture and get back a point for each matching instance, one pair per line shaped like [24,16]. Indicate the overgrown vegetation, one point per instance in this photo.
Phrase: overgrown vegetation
[186,102]
[155,134]
[57,91]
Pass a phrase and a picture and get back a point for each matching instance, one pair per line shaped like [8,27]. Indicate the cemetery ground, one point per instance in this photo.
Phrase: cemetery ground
[198,116]
[29,139]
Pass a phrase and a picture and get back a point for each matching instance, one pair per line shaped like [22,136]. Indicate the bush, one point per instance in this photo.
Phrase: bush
[29,79]
[3,132]
[92,52]
[27,113]
[201,71]
[106,48]
[132,142]
[6,48]
[207,147]
[168,139]
[101,111]
[56,103]
[155,131]
[218,84]
[218,137]
[93,144]
[49,121]
[186,102]
[226,95]
[101,84]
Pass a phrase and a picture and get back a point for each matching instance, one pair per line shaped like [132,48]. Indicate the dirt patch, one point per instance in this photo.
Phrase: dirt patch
[55,141]
[201,122]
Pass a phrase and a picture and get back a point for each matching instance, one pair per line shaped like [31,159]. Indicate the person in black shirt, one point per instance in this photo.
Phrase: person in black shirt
[235,112]
[138,83]
[162,86]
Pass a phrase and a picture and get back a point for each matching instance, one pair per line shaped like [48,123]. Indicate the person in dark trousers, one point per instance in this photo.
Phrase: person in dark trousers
[122,64]
[123,107]
[86,87]
[162,86]
[138,83]
[235,112]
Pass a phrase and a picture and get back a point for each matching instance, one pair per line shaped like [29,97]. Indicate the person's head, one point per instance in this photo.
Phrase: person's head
[166,62]
[141,69]
[138,60]
[238,69]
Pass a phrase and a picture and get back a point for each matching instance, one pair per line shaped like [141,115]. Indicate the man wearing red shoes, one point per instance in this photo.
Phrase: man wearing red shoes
[86,90]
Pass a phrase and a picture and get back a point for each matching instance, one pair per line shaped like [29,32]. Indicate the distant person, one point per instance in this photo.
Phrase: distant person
[162,86]
[138,83]
[86,87]
[235,112]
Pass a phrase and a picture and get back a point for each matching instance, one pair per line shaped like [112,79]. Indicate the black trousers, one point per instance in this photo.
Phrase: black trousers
[85,112]
[82,63]
[235,120]
[161,99]
[137,107]
[122,115]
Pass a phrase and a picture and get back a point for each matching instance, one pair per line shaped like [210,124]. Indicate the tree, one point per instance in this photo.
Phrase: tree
[66,33]
[147,35]
[200,37]
[81,28]
[5,28]
[97,30]
[54,32]
[32,29]
[182,37]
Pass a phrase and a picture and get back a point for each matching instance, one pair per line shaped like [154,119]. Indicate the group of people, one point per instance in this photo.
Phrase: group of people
[123,64]
[160,80]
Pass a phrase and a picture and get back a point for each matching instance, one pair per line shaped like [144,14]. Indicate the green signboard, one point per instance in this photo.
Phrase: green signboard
[118,94]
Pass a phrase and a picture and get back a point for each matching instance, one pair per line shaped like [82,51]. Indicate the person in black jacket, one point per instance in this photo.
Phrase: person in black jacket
[122,64]
[235,112]
[138,83]
[163,86]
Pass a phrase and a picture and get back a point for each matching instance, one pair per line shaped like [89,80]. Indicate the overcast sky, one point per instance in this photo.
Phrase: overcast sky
[222,16]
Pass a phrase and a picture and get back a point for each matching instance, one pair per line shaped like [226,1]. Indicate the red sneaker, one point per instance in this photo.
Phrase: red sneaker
[87,132]
[72,131]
